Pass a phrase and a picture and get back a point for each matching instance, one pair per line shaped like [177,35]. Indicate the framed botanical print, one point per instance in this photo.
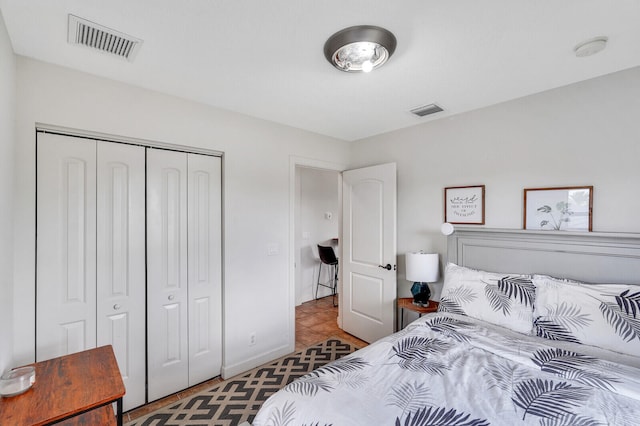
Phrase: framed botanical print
[464,205]
[559,209]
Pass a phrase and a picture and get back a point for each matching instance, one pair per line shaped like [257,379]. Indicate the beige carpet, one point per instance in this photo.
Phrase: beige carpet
[237,400]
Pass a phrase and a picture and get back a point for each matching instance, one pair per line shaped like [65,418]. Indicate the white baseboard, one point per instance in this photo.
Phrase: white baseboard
[238,368]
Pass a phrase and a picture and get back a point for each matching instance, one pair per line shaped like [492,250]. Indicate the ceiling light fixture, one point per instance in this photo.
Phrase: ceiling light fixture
[362,48]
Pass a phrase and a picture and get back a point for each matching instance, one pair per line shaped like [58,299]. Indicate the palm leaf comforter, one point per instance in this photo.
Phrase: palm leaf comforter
[448,369]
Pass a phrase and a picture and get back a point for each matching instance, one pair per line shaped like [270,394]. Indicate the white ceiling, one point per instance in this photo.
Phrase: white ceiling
[264,58]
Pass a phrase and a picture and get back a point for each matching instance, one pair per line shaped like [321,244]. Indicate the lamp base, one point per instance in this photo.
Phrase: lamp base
[421,294]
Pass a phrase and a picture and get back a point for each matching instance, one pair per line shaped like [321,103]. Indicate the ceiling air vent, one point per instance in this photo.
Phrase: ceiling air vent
[105,39]
[426,110]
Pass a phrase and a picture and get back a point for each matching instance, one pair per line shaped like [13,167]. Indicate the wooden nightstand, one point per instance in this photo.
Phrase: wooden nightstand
[407,303]
[69,386]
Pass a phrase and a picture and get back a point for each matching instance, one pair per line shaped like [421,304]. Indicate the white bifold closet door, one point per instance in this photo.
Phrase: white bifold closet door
[184,321]
[90,253]
[204,235]
[121,262]
[66,246]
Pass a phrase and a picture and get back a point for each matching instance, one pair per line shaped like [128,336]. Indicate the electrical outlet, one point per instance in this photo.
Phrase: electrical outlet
[252,338]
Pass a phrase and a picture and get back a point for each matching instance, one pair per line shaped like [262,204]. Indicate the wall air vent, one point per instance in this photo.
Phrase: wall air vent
[426,110]
[104,39]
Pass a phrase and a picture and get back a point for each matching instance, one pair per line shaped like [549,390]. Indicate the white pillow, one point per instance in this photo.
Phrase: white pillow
[501,299]
[602,315]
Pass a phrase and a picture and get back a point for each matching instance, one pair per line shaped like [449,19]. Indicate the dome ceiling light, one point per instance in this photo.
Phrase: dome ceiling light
[360,49]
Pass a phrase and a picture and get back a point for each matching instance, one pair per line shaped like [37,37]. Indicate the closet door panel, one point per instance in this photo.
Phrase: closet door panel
[205,274]
[66,241]
[168,362]
[121,262]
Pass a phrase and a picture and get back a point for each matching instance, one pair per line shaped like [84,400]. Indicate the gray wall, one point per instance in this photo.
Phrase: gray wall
[258,295]
[583,134]
[7,145]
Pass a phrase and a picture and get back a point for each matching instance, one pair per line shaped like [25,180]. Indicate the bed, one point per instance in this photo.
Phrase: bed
[534,328]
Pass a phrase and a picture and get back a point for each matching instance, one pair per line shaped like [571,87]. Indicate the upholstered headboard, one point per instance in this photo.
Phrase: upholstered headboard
[585,256]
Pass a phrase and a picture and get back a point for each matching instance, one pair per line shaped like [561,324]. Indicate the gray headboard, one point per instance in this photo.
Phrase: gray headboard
[585,256]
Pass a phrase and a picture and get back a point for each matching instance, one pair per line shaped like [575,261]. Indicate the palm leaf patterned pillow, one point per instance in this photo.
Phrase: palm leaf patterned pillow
[502,299]
[603,315]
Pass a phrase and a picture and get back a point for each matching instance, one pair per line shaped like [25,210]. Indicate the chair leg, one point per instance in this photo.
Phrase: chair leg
[318,282]
[335,284]
[332,284]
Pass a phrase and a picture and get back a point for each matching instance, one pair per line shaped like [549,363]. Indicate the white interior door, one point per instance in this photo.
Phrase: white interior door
[66,245]
[205,270]
[121,262]
[167,340]
[369,251]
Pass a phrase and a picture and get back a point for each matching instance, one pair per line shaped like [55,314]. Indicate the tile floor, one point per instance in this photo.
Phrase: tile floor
[316,321]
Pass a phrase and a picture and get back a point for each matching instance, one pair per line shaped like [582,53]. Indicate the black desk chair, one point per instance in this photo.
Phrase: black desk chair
[328,258]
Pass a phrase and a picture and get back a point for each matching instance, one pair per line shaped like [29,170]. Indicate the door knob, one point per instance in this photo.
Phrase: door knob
[116,307]
[387,267]
[171,296]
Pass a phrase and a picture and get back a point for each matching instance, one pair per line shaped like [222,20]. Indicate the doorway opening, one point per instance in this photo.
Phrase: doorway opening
[317,213]
[302,281]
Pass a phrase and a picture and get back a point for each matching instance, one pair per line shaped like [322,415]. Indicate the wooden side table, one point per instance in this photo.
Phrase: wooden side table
[407,303]
[69,386]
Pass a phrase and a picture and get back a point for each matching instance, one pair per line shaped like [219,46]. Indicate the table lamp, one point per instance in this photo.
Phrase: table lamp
[422,268]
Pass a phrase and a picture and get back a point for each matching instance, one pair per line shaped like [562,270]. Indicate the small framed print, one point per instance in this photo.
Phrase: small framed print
[464,205]
[559,209]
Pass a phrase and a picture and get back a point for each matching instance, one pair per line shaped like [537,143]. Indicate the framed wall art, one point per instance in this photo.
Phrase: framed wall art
[559,209]
[464,205]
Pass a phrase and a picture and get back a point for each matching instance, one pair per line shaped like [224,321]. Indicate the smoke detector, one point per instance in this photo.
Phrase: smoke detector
[101,38]
[590,47]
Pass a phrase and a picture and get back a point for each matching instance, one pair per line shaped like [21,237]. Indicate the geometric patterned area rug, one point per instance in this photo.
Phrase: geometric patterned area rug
[238,399]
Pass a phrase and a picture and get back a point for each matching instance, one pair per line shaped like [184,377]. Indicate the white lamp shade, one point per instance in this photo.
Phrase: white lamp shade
[422,267]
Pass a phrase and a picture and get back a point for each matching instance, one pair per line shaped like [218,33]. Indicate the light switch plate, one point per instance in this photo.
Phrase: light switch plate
[273,249]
